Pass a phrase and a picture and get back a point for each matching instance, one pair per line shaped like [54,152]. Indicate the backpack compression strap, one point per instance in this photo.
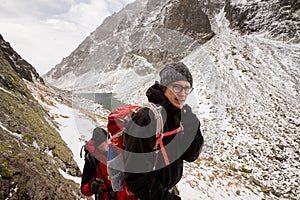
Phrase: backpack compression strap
[159,142]
[159,132]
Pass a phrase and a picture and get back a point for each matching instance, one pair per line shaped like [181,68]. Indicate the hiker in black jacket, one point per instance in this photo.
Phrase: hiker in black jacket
[153,169]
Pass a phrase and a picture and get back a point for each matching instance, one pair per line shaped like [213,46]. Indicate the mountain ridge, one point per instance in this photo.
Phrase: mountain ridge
[21,66]
[246,84]
[133,29]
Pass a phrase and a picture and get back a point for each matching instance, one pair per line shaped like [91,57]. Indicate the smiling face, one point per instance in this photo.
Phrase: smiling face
[176,92]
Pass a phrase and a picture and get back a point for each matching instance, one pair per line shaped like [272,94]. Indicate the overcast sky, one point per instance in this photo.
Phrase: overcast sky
[45,31]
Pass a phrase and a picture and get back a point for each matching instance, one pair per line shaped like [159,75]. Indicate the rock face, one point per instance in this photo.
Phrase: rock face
[153,31]
[21,66]
[187,17]
[279,19]
[31,150]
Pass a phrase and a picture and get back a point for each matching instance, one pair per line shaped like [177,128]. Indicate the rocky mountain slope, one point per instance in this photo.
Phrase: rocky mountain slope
[142,30]
[21,66]
[276,19]
[32,151]
[249,100]
[244,56]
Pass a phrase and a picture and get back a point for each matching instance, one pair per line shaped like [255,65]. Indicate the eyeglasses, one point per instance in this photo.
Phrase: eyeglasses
[178,88]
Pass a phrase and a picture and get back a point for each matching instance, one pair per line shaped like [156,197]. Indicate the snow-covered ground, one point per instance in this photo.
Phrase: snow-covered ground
[234,100]
[75,127]
[247,99]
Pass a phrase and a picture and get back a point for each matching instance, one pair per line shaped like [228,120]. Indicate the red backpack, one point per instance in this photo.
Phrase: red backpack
[116,125]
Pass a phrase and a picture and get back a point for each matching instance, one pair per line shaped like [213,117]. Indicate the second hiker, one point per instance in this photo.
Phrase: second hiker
[94,177]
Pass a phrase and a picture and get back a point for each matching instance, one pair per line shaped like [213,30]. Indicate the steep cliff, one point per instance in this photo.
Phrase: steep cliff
[279,19]
[32,151]
[157,32]
[21,66]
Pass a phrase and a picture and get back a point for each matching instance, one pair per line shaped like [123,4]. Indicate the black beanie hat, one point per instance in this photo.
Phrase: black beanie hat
[176,71]
[99,136]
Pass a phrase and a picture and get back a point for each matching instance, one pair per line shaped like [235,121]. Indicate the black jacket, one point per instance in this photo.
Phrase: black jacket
[144,178]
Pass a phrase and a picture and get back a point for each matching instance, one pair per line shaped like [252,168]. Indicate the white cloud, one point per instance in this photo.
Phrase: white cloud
[45,31]
[34,8]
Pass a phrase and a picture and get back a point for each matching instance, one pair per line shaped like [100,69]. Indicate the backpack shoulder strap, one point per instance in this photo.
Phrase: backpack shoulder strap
[158,116]
[160,124]
[82,148]
[91,159]
[160,133]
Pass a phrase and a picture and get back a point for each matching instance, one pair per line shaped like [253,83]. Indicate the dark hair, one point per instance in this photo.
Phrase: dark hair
[99,136]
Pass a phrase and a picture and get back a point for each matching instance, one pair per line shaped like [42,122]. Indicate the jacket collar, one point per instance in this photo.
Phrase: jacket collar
[155,94]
